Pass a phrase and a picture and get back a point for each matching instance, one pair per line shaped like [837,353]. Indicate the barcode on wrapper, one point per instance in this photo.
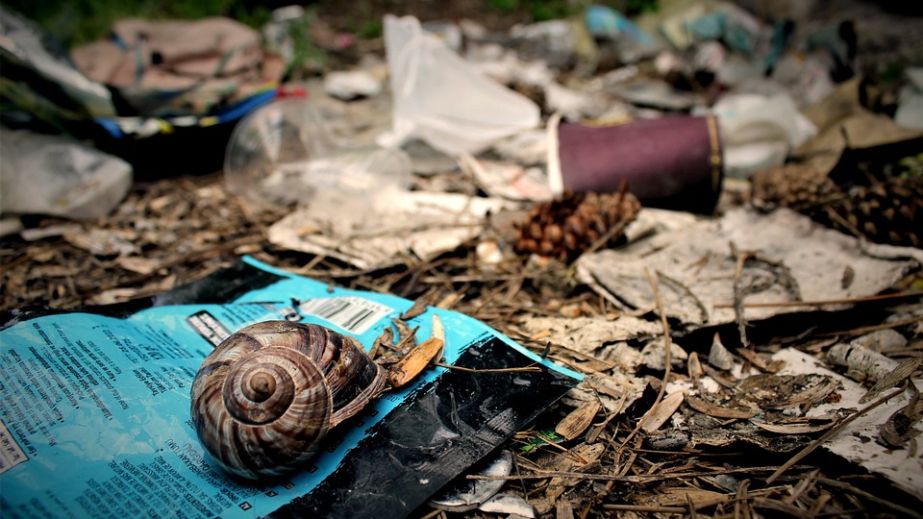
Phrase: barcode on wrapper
[353,314]
[11,453]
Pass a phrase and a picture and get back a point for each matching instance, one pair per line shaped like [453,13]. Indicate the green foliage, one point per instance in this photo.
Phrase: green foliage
[255,17]
[370,29]
[538,10]
[541,438]
[911,166]
[504,6]
[635,7]
[307,57]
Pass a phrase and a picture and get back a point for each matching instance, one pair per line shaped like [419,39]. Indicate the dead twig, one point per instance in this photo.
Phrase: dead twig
[522,369]
[779,506]
[741,507]
[742,257]
[808,449]
[907,512]
[667,362]
[874,328]
[821,302]
[645,508]
[639,479]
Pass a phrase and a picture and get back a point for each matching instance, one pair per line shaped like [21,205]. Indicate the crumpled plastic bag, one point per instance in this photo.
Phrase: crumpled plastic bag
[443,100]
[758,131]
[45,174]
[38,75]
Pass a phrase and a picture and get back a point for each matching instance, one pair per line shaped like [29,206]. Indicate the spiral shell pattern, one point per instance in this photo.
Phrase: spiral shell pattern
[267,395]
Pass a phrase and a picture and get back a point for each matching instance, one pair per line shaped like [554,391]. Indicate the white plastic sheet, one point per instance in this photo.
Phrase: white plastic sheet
[440,98]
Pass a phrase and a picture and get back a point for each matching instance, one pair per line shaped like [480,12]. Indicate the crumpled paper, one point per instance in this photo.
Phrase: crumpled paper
[385,228]
[794,259]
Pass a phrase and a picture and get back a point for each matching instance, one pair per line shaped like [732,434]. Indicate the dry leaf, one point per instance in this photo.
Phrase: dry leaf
[892,379]
[760,361]
[719,356]
[784,391]
[564,509]
[385,339]
[100,242]
[114,295]
[450,300]
[571,310]
[512,505]
[539,335]
[138,265]
[718,411]
[438,329]
[405,335]
[700,498]
[694,367]
[416,360]
[50,231]
[577,459]
[585,363]
[793,428]
[899,429]
[575,423]
[418,308]
[657,415]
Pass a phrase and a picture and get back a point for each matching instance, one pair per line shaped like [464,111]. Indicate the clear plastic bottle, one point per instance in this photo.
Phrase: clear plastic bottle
[283,154]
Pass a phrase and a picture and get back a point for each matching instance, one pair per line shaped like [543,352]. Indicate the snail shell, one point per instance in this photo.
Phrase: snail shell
[264,398]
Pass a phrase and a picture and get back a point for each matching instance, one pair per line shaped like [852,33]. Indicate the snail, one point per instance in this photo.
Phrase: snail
[267,395]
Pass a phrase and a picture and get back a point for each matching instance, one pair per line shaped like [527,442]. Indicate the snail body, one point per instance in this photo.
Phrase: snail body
[266,396]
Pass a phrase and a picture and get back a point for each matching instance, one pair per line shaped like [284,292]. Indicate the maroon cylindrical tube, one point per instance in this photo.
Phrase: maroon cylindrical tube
[670,162]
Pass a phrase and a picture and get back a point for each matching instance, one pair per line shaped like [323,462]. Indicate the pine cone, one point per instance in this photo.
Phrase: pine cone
[565,227]
[795,186]
[888,210]
[884,212]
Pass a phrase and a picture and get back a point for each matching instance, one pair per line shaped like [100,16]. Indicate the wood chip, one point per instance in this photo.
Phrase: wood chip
[657,415]
[575,423]
[718,411]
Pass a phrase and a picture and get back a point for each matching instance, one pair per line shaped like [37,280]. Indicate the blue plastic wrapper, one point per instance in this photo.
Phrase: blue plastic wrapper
[95,422]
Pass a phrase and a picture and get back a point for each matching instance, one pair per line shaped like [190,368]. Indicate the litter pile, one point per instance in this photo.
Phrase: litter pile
[712,211]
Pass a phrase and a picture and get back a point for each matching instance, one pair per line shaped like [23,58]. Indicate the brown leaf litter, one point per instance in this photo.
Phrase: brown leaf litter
[719,429]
